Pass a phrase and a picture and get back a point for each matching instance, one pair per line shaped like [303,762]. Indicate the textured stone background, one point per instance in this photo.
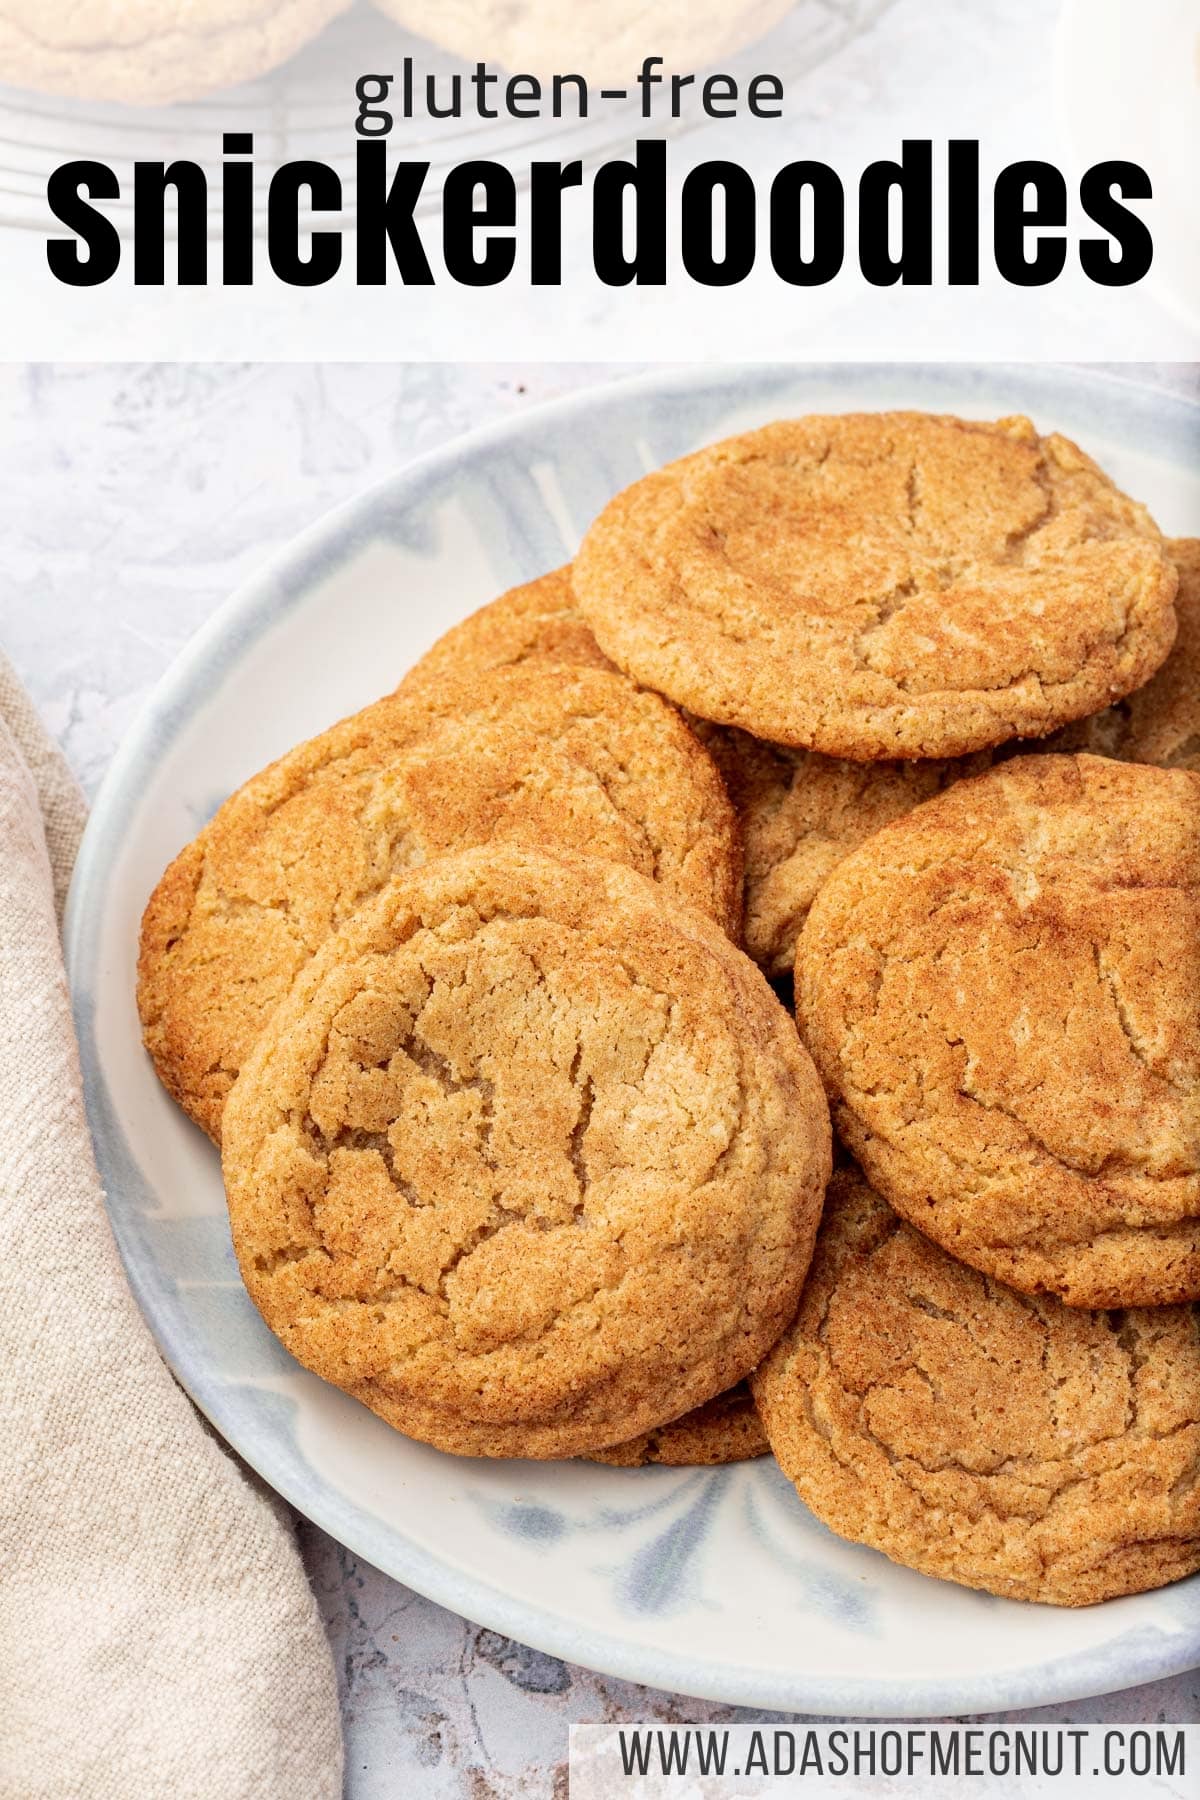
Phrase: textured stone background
[135,499]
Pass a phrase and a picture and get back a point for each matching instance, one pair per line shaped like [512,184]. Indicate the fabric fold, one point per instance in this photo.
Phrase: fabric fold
[157,1632]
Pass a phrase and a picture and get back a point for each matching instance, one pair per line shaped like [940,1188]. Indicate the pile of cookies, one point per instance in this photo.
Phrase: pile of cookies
[521,1145]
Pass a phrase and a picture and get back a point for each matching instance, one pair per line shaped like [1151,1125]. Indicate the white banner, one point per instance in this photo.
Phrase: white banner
[831,179]
[936,1762]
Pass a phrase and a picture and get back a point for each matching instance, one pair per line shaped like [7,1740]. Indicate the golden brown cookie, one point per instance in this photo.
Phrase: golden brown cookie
[724,1430]
[1002,993]
[152,51]
[536,622]
[570,757]
[530,1160]
[881,585]
[1160,723]
[981,1435]
[800,813]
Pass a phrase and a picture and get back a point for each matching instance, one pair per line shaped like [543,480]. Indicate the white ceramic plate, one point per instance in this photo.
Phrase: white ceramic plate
[710,1583]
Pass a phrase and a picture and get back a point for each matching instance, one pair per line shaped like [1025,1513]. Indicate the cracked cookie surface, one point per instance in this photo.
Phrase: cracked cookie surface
[530,1160]
[890,585]
[974,1433]
[540,621]
[801,812]
[1002,993]
[576,758]
[152,51]
[724,1430]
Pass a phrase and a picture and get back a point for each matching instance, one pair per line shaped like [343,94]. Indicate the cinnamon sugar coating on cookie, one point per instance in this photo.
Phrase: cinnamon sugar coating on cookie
[978,1434]
[724,1430]
[530,1160]
[576,758]
[1002,993]
[890,585]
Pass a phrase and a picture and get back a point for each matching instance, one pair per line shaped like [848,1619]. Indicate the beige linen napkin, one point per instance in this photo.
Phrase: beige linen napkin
[158,1638]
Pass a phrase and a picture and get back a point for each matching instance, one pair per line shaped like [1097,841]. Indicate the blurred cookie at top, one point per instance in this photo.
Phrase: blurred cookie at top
[604,40]
[152,52]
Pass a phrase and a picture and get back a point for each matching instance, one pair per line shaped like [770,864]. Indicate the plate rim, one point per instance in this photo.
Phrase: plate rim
[253,605]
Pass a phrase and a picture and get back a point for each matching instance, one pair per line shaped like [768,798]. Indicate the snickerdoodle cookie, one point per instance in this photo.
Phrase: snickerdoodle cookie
[1003,1441]
[1002,993]
[152,52]
[536,622]
[793,828]
[1160,723]
[882,585]
[800,814]
[575,758]
[724,1430]
[530,1159]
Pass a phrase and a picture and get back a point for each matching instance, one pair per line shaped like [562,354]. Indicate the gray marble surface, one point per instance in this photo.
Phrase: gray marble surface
[135,499]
